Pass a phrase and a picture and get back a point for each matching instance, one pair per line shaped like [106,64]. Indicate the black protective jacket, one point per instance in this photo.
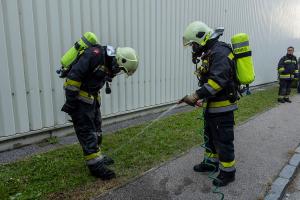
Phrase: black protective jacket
[87,77]
[287,67]
[217,79]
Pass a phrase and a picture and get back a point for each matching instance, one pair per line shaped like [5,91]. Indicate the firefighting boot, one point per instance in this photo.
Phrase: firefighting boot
[224,178]
[100,170]
[280,100]
[287,100]
[108,160]
[207,166]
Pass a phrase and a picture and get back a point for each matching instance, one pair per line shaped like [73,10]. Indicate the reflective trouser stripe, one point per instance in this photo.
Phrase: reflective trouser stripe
[94,161]
[93,155]
[227,166]
[93,158]
[280,97]
[211,156]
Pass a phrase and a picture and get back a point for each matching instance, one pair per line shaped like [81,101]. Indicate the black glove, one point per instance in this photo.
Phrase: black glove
[69,107]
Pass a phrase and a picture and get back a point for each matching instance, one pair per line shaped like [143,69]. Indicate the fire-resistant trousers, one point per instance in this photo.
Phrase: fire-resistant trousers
[219,136]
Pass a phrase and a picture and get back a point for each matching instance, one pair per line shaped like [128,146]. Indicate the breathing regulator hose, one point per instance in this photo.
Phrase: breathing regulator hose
[211,175]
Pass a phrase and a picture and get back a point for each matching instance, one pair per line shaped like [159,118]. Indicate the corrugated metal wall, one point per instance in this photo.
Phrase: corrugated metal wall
[35,33]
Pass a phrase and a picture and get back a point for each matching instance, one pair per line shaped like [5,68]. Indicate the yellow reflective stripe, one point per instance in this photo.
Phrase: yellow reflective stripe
[210,155]
[72,83]
[290,61]
[296,71]
[207,37]
[85,94]
[214,85]
[217,104]
[93,155]
[285,76]
[281,69]
[242,50]
[231,56]
[228,164]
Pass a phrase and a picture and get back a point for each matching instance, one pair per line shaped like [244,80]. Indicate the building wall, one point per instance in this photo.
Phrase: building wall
[35,33]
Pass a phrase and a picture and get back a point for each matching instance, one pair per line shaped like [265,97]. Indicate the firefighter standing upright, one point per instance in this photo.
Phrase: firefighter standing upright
[217,89]
[287,69]
[97,65]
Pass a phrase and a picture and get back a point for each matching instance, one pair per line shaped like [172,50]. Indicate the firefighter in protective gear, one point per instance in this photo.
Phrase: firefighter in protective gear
[297,76]
[218,92]
[97,65]
[287,70]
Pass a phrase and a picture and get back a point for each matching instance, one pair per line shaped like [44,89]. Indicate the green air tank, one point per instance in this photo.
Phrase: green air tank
[67,60]
[243,56]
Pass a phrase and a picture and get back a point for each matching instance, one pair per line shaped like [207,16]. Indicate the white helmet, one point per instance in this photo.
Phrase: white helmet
[127,59]
[198,32]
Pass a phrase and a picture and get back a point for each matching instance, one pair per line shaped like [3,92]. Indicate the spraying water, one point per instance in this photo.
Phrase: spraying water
[149,125]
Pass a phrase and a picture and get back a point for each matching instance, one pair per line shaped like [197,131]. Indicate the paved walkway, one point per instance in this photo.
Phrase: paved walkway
[263,146]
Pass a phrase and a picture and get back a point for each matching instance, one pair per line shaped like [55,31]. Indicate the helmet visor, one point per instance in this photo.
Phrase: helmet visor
[186,42]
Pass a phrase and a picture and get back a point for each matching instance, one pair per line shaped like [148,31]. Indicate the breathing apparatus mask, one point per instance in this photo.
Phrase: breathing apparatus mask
[115,68]
[197,52]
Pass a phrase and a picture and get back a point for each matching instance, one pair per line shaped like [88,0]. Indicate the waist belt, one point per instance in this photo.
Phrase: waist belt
[87,98]
[220,106]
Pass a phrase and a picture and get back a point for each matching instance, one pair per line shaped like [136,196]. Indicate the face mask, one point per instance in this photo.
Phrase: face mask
[115,69]
[197,52]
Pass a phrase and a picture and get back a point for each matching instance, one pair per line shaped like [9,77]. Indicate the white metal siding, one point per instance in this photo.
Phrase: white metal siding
[35,33]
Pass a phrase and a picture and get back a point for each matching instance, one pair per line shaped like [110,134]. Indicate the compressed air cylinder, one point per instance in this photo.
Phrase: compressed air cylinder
[242,53]
[88,39]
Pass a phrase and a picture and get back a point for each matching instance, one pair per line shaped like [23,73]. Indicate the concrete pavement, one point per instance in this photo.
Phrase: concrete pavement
[263,146]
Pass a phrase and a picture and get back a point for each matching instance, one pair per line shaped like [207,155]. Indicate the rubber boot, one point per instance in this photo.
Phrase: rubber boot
[108,160]
[224,178]
[207,166]
[100,170]
[280,100]
[287,100]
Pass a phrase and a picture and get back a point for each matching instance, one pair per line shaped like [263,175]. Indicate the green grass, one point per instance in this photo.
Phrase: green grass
[61,173]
